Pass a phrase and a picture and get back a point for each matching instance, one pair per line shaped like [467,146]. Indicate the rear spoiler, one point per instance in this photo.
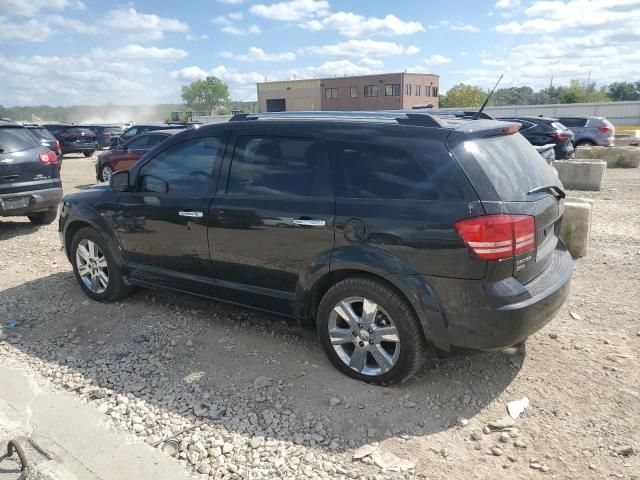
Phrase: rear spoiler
[482,129]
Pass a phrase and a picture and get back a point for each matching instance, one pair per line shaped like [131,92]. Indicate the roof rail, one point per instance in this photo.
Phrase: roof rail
[384,116]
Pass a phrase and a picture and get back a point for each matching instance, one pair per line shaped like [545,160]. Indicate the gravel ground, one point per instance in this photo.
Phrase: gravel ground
[246,395]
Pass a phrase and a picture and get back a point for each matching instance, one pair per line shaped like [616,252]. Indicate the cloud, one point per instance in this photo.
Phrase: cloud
[228,24]
[233,30]
[231,2]
[141,26]
[353,25]
[360,48]
[292,10]
[464,27]
[256,54]
[548,16]
[32,8]
[507,3]
[67,23]
[29,31]
[437,60]
[138,52]
[340,68]
[195,38]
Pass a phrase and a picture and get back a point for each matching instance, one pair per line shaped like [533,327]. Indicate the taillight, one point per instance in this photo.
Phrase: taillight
[560,135]
[606,129]
[494,237]
[48,157]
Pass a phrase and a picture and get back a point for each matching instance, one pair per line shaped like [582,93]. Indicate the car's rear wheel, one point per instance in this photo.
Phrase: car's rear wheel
[370,332]
[95,268]
[43,218]
[584,143]
[105,173]
[88,154]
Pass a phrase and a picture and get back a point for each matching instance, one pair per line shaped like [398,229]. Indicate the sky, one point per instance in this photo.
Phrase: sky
[70,52]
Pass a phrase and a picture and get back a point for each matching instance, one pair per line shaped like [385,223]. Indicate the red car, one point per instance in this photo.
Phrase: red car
[123,157]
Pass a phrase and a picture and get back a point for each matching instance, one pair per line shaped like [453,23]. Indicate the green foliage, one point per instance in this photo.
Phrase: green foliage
[463,96]
[624,91]
[207,94]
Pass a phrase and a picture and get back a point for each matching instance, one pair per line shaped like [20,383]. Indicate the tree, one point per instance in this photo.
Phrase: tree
[463,96]
[623,91]
[512,96]
[207,94]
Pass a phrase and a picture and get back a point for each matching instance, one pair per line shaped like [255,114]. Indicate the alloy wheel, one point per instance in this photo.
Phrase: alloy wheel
[364,336]
[92,266]
[106,173]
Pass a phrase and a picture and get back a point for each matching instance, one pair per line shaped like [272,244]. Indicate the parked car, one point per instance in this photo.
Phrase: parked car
[544,130]
[46,138]
[590,130]
[138,129]
[74,139]
[30,182]
[124,156]
[385,230]
[104,134]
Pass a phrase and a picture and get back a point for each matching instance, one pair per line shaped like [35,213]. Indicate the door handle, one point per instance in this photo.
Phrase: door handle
[190,214]
[309,223]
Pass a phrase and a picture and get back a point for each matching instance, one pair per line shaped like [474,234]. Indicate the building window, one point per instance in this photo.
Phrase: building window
[330,93]
[407,89]
[417,90]
[371,90]
[392,89]
[427,90]
[353,92]
[434,91]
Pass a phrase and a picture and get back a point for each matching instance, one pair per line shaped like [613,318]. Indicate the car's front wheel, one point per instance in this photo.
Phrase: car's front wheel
[88,154]
[105,173]
[370,332]
[95,268]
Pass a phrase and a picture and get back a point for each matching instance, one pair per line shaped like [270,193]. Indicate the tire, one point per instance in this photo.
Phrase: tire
[88,154]
[584,143]
[43,218]
[105,172]
[392,310]
[104,263]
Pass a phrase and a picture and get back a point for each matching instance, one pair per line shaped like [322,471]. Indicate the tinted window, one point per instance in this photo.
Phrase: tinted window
[187,168]
[267,165]
[573,122]
[42,133]
[138,143]
[132,132]
[153,140]
[365,170]
[16,139]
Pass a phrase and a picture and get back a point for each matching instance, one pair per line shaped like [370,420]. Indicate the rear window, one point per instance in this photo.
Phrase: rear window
[42,133]
[79,131]
[16,139]
[511,163]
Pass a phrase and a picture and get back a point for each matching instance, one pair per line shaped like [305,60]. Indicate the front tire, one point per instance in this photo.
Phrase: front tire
[88,154]
[95,267]
[370,332]
[43,218]
[584,143]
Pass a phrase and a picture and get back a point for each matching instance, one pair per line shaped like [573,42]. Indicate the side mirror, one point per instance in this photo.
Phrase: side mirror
[119,181]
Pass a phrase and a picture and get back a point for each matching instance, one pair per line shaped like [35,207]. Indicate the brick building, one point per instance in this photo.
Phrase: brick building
[387,91]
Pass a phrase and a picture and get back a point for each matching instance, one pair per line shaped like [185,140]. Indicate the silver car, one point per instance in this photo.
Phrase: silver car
[590,130]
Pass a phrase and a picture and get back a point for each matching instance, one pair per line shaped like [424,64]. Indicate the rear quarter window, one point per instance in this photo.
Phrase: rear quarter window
[16,139]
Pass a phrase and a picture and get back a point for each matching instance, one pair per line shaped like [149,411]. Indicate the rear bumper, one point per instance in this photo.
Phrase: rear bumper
[39,200]
[494,316]
[80,148]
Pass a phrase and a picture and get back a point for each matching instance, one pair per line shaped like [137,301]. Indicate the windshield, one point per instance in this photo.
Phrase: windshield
[16,139]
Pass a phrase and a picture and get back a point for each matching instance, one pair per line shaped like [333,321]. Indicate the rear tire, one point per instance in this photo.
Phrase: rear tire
[88,154]
[584,143]
[43,218]
[365,349]
[95,267]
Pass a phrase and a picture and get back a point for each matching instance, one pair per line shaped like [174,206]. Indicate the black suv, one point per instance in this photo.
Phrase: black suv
[544,131]
[29,176]
[74,139]
[385,230]
[104,134]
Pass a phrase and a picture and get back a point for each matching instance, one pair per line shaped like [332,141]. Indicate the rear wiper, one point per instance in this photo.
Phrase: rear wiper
[554,189]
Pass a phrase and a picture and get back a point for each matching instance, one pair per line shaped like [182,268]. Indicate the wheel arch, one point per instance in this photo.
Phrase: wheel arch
[92,219]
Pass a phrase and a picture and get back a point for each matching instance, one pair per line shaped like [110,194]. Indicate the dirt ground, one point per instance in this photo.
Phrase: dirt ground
[262,401]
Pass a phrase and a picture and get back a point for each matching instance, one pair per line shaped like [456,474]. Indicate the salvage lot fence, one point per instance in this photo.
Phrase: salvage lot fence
[618,113]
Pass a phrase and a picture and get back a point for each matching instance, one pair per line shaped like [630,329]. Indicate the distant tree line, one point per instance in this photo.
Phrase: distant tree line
[463,95]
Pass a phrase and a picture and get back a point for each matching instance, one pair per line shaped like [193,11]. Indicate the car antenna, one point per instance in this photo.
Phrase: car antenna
[477,115]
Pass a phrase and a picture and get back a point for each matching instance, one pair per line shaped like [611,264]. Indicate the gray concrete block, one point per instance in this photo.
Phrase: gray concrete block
[581,174]
[616,157]
[576,225]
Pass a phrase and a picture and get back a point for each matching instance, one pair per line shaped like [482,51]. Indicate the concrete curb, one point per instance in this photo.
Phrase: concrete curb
[576,225]
[615,157]
[581,174]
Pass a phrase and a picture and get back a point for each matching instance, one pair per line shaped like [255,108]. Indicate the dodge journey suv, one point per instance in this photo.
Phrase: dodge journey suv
[387,231]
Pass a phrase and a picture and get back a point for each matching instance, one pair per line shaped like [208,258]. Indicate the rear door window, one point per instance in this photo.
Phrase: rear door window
[373,171]
[16,139]
[278,166]
[573,122]
[154,140]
